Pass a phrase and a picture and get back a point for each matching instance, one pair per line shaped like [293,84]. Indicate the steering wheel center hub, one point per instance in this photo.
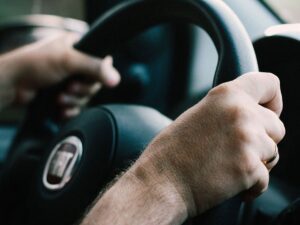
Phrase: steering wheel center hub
[62,163]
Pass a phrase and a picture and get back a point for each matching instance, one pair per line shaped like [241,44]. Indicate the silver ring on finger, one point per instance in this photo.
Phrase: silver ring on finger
[266,162]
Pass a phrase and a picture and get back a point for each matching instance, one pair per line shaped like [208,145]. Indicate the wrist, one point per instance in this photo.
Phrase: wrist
[156,185]
[138,197]
[142,196]
[156,168]
[161,163]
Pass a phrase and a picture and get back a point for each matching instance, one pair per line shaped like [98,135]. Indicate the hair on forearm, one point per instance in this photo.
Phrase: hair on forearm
[99,196]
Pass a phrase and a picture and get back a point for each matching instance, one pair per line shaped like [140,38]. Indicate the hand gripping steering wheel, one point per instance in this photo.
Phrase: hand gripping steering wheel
[92,149]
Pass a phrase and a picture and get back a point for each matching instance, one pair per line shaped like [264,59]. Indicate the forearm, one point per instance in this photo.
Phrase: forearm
[15,65]
[139,198]
[206,156]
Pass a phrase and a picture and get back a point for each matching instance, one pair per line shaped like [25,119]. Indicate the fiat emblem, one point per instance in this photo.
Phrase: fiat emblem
[62,163]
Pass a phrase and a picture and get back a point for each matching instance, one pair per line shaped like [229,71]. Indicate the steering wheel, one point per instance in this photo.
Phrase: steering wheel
[90,150]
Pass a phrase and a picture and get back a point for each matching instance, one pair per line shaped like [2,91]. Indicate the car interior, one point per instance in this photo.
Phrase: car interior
[170,54]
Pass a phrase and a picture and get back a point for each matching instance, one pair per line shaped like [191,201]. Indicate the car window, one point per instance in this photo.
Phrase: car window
[65,8]
[288,10]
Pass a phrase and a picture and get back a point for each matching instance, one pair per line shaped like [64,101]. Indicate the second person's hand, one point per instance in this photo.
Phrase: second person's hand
[49,62]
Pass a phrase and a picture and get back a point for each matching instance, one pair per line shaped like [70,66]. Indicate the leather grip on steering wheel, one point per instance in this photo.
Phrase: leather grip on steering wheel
[236,53]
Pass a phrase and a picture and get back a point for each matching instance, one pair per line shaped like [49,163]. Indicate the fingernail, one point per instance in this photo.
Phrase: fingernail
[69,113]
[114,78]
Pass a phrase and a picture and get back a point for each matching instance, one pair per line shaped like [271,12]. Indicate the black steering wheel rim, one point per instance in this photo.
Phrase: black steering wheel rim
[236,53]
[235,49]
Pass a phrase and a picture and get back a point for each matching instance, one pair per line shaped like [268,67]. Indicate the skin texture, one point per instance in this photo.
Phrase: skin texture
[49,62]
[212,152]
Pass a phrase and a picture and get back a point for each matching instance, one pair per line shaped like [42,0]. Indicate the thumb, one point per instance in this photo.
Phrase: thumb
[264,88]
[91,67]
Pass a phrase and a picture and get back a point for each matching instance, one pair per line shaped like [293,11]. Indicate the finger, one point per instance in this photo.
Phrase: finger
[92,67]
[108,60]
[110,76]
[66,100]
[23,96]
[264,88]
[69,113]
[262,180]
[265,148]
[272,124]
[81,89]
[270,164]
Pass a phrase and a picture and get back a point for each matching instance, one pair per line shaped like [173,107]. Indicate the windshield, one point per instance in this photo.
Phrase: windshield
[288,10]
[65,8]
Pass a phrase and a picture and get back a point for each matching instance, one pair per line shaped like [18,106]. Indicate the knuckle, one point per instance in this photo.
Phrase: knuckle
[279,133]
[282,129]
[221,90]
[238,113]
[242,134]
[273,77]
[247,166]
[249,134]
[279,128]
[243,126]
[264,180]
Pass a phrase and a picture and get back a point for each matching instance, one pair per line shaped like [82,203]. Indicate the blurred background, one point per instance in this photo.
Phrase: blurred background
[287,9]
[65,8]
